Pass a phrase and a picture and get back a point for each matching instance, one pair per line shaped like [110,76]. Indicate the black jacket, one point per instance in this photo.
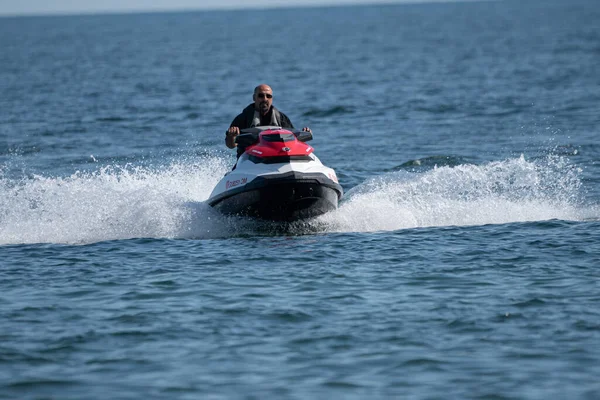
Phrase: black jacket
[244,120]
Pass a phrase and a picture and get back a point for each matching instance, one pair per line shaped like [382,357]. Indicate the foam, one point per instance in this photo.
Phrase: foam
[114,202]
[500,192]
[121,202]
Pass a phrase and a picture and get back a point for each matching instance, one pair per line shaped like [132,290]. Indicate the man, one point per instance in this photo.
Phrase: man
[260,113]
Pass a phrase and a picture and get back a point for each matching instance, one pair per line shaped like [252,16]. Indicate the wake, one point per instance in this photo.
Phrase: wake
[115,202]
[513,190]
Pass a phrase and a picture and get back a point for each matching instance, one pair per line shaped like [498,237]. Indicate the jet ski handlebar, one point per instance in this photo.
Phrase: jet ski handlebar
[303,136]
[249,136]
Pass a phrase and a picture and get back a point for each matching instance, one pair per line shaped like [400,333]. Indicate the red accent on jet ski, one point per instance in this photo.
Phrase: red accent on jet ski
[277,143]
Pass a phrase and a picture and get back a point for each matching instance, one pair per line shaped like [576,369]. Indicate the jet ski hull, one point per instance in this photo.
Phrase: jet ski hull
[283,198]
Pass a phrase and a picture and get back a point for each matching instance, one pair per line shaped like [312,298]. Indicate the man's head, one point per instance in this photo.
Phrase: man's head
[263,98]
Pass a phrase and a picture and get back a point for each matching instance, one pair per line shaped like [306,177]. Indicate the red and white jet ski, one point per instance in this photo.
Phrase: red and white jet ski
[278,177]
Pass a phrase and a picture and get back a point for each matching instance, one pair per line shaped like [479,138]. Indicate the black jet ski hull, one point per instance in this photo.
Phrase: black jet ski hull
[281,199]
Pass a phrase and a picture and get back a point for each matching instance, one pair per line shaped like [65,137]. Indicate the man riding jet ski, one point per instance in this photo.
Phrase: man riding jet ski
[260,113]
[276,176]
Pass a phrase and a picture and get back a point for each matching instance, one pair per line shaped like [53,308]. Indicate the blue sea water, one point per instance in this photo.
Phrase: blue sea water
[463,261]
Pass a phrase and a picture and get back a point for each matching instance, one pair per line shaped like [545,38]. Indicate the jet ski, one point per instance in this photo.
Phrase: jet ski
[277,178]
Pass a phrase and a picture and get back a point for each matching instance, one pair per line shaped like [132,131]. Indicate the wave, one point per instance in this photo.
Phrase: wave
[432,162]
[123,202]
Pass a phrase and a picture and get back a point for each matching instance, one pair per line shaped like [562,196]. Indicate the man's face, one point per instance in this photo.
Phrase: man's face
[263,99]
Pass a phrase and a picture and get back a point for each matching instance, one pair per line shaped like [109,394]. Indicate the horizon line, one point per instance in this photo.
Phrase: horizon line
[277,6]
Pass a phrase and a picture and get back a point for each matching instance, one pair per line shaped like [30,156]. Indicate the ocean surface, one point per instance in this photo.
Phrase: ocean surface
[462,263]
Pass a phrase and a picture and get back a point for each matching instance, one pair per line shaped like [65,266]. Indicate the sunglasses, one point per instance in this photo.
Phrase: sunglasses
[264,95]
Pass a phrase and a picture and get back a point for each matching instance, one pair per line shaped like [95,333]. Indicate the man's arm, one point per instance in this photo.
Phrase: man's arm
[230,136]
[233,131]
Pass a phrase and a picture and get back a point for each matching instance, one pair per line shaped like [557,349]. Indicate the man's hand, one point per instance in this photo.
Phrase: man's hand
[306,129]
[230,136]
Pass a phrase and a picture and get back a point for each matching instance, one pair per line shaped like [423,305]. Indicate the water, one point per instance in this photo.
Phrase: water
[462,262]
